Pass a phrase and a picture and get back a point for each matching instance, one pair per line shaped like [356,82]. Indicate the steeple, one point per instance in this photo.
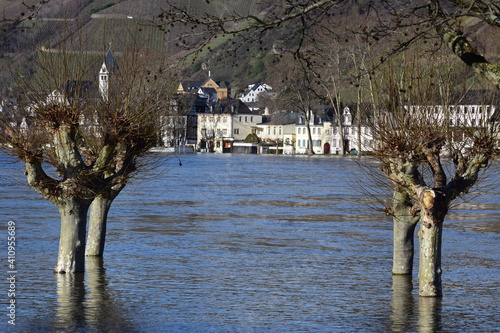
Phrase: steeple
[110,61]
[108,67]
[104,81]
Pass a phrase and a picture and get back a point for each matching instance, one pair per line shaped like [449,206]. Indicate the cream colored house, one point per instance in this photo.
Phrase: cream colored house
[228,122]
[320,135]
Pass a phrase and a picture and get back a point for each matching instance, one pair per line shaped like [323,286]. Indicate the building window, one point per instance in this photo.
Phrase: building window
[269,131]
[240,119]
[251,119]
[274,130]
[319,131]
[334,142]
[314,130]
[236,131]
[279,130]
[246,119]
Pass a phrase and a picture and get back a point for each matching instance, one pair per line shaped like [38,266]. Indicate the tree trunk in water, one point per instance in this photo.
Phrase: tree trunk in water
[403,234]
[96,237]
[71,257]
[430,258]
[434,206]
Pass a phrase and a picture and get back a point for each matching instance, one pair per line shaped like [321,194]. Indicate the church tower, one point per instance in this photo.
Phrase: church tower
[104,82]
[109,68]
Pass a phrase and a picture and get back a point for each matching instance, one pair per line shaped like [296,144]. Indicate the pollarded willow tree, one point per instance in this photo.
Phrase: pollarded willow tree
[81,131]
[434,140]
[398,25]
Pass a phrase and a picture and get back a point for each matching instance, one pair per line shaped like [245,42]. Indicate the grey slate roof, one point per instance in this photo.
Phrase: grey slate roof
[110,61]
[283,118]
[232,105]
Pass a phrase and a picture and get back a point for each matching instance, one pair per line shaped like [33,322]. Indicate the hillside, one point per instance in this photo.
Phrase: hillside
[95,24]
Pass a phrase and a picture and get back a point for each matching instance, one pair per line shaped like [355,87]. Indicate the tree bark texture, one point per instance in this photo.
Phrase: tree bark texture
[405,222]
[460,45]
[96,236]
[430,259]
[434,208]
[71,257]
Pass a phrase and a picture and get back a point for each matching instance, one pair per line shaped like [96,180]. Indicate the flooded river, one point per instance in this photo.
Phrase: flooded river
[247,243]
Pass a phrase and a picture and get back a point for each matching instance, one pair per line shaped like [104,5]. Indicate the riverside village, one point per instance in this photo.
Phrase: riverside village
[216,122]
[205,117]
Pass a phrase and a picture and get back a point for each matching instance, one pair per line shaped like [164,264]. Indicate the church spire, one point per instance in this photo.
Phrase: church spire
[109,65]
[104,81]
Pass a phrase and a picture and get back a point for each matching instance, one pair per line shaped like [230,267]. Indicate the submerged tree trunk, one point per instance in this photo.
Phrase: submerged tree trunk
[434,207]
[430,259]
[97,225]
[405,221]
[98,219]
[71,257]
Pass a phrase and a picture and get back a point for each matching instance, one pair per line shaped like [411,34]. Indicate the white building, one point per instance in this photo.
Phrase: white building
[355,136]
[251,94]
[109,68]
[319,139]
[278,132]
[228,124]
[470,115]
[456,117]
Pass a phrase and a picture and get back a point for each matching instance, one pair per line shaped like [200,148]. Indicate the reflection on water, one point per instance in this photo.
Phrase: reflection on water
[403,303]
[71,298]
[429,314]
[237,243]
[404,308]
[84,302]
